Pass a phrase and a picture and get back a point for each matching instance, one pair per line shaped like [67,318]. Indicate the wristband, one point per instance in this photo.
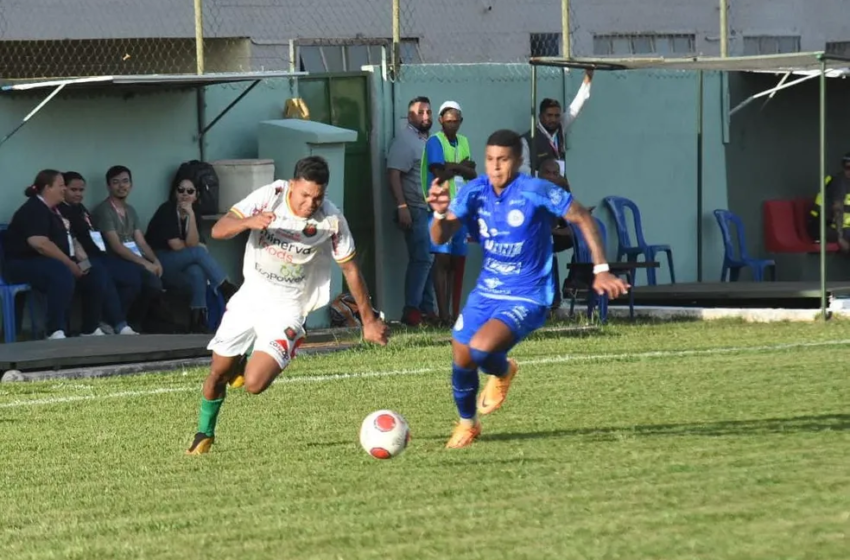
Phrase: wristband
[402,206]
[601,268]
[439,216]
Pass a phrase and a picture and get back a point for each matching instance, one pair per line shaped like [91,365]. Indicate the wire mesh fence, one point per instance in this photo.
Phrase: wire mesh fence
[49,39]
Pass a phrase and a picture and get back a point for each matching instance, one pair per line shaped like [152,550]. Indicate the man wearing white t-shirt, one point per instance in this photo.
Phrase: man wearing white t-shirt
[295,233]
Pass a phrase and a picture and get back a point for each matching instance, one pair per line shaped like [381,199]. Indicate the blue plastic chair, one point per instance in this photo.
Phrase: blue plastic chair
[583,256]
[733,264]
[618,206]
[8,293]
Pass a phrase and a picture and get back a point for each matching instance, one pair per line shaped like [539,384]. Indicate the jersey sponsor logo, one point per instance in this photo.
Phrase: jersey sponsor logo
[516,202]
[272,237]
[482,228]
[280,349]
[517,314]
[502,268]
[506,250]
[556,195]
[288,273]
[493,283]
[516,217]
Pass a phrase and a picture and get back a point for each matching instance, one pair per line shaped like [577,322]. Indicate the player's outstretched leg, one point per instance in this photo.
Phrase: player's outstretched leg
[487,350]
[464,390]
[214,392]
[237,380]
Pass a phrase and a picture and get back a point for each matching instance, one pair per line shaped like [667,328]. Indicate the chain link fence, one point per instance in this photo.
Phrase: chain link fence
[309,35]
[49,39]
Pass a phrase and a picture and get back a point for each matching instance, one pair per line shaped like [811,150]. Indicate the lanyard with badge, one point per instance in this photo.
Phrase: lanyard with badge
[122,215]
[95,236]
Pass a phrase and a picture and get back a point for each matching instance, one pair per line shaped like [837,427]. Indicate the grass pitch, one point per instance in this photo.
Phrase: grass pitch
[663,441]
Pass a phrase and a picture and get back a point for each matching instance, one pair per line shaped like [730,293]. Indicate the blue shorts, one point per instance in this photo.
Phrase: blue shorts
[456,246]
[522,317]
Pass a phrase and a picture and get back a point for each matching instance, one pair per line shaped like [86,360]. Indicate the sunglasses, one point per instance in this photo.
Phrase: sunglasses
[181,190]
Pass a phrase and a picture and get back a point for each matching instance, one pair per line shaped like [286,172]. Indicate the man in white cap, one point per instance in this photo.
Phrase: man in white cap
[447,157]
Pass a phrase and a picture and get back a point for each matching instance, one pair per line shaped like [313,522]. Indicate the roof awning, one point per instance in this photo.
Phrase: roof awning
[149,80]
[777,63]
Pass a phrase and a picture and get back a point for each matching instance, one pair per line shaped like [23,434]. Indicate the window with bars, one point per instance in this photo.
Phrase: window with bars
[637,44]
[841,48]
[342,57]
[771,44]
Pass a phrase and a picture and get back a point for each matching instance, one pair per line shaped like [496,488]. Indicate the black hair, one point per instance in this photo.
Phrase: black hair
[179,178]
[420,99]
[43,180]
[507,139]
[313,169]
[115,171]
[72,176]
[548,103]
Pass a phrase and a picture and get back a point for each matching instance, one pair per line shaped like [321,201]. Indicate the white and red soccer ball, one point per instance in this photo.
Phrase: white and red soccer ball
[384,434]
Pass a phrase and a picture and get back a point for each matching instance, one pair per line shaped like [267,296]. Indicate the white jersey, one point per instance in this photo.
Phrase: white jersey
[290,261]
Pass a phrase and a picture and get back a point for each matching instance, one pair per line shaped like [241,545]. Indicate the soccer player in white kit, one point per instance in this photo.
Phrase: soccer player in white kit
[295,233]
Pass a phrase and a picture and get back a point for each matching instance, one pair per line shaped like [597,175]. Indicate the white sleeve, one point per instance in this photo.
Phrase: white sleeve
[261,200]
[342,241]
[525,167]
[575,107]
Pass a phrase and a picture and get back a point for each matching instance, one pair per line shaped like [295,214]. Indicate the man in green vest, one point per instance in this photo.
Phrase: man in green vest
[837,208]
[448,158]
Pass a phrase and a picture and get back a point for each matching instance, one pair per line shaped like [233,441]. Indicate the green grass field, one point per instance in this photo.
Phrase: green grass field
[664,441]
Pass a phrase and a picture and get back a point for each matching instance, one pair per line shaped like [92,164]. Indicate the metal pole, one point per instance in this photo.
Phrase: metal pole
[533,116]
[565,27]
[724,28]
[699,173]
[199,36]
[396,59]
[822,182]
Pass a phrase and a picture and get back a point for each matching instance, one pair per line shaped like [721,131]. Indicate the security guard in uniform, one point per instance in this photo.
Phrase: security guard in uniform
[837,209]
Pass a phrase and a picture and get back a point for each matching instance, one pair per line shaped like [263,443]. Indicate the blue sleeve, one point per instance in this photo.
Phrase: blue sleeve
[434,152]
[550,197]
[460,206]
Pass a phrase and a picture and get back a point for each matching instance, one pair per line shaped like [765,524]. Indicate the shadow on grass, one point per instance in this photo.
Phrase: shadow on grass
[767,426]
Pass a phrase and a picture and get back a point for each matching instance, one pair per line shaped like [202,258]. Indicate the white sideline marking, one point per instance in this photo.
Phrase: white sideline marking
[396,373]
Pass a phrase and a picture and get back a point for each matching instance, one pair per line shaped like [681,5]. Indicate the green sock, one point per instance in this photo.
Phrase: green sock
[209,415]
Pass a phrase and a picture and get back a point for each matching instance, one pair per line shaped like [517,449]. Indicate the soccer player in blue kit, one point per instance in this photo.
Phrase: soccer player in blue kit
[510,214]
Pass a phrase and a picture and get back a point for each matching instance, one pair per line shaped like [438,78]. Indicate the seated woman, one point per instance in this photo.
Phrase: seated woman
[41,251]
[186,265]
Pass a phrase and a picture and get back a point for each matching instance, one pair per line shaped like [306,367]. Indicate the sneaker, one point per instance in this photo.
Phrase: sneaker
[127,330]
[464,436]
[107,329]
[58,335]
[96,332]
[201,444]
[496,390]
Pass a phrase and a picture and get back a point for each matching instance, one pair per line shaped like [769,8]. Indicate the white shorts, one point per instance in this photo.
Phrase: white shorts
[270,327]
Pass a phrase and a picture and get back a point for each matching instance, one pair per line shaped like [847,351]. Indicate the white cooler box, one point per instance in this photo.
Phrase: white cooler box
[237,178]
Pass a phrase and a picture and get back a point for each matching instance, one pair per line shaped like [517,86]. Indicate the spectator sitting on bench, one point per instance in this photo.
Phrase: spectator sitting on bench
[837,208]
[40,251]
[119,225]
[186,265]
[124,286]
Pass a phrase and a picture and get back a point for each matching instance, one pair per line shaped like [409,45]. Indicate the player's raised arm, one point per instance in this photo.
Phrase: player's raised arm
[445,223]
[604,281]
[256,211]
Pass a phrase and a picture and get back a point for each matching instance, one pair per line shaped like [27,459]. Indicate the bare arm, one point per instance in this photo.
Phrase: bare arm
[357,285]
[583,94]
[143,246]
[230,225]
[193,238]
[46,247]
[114,243]
[394,178]
[176,244]
[578,215]
[443,230]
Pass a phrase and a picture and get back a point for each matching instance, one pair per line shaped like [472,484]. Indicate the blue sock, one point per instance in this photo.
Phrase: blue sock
[465,390]
[492,363]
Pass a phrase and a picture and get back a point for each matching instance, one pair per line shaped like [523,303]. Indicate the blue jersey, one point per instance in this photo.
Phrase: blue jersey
[515,233]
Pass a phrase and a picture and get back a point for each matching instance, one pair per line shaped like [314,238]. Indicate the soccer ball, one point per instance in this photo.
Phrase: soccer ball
[384,434]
